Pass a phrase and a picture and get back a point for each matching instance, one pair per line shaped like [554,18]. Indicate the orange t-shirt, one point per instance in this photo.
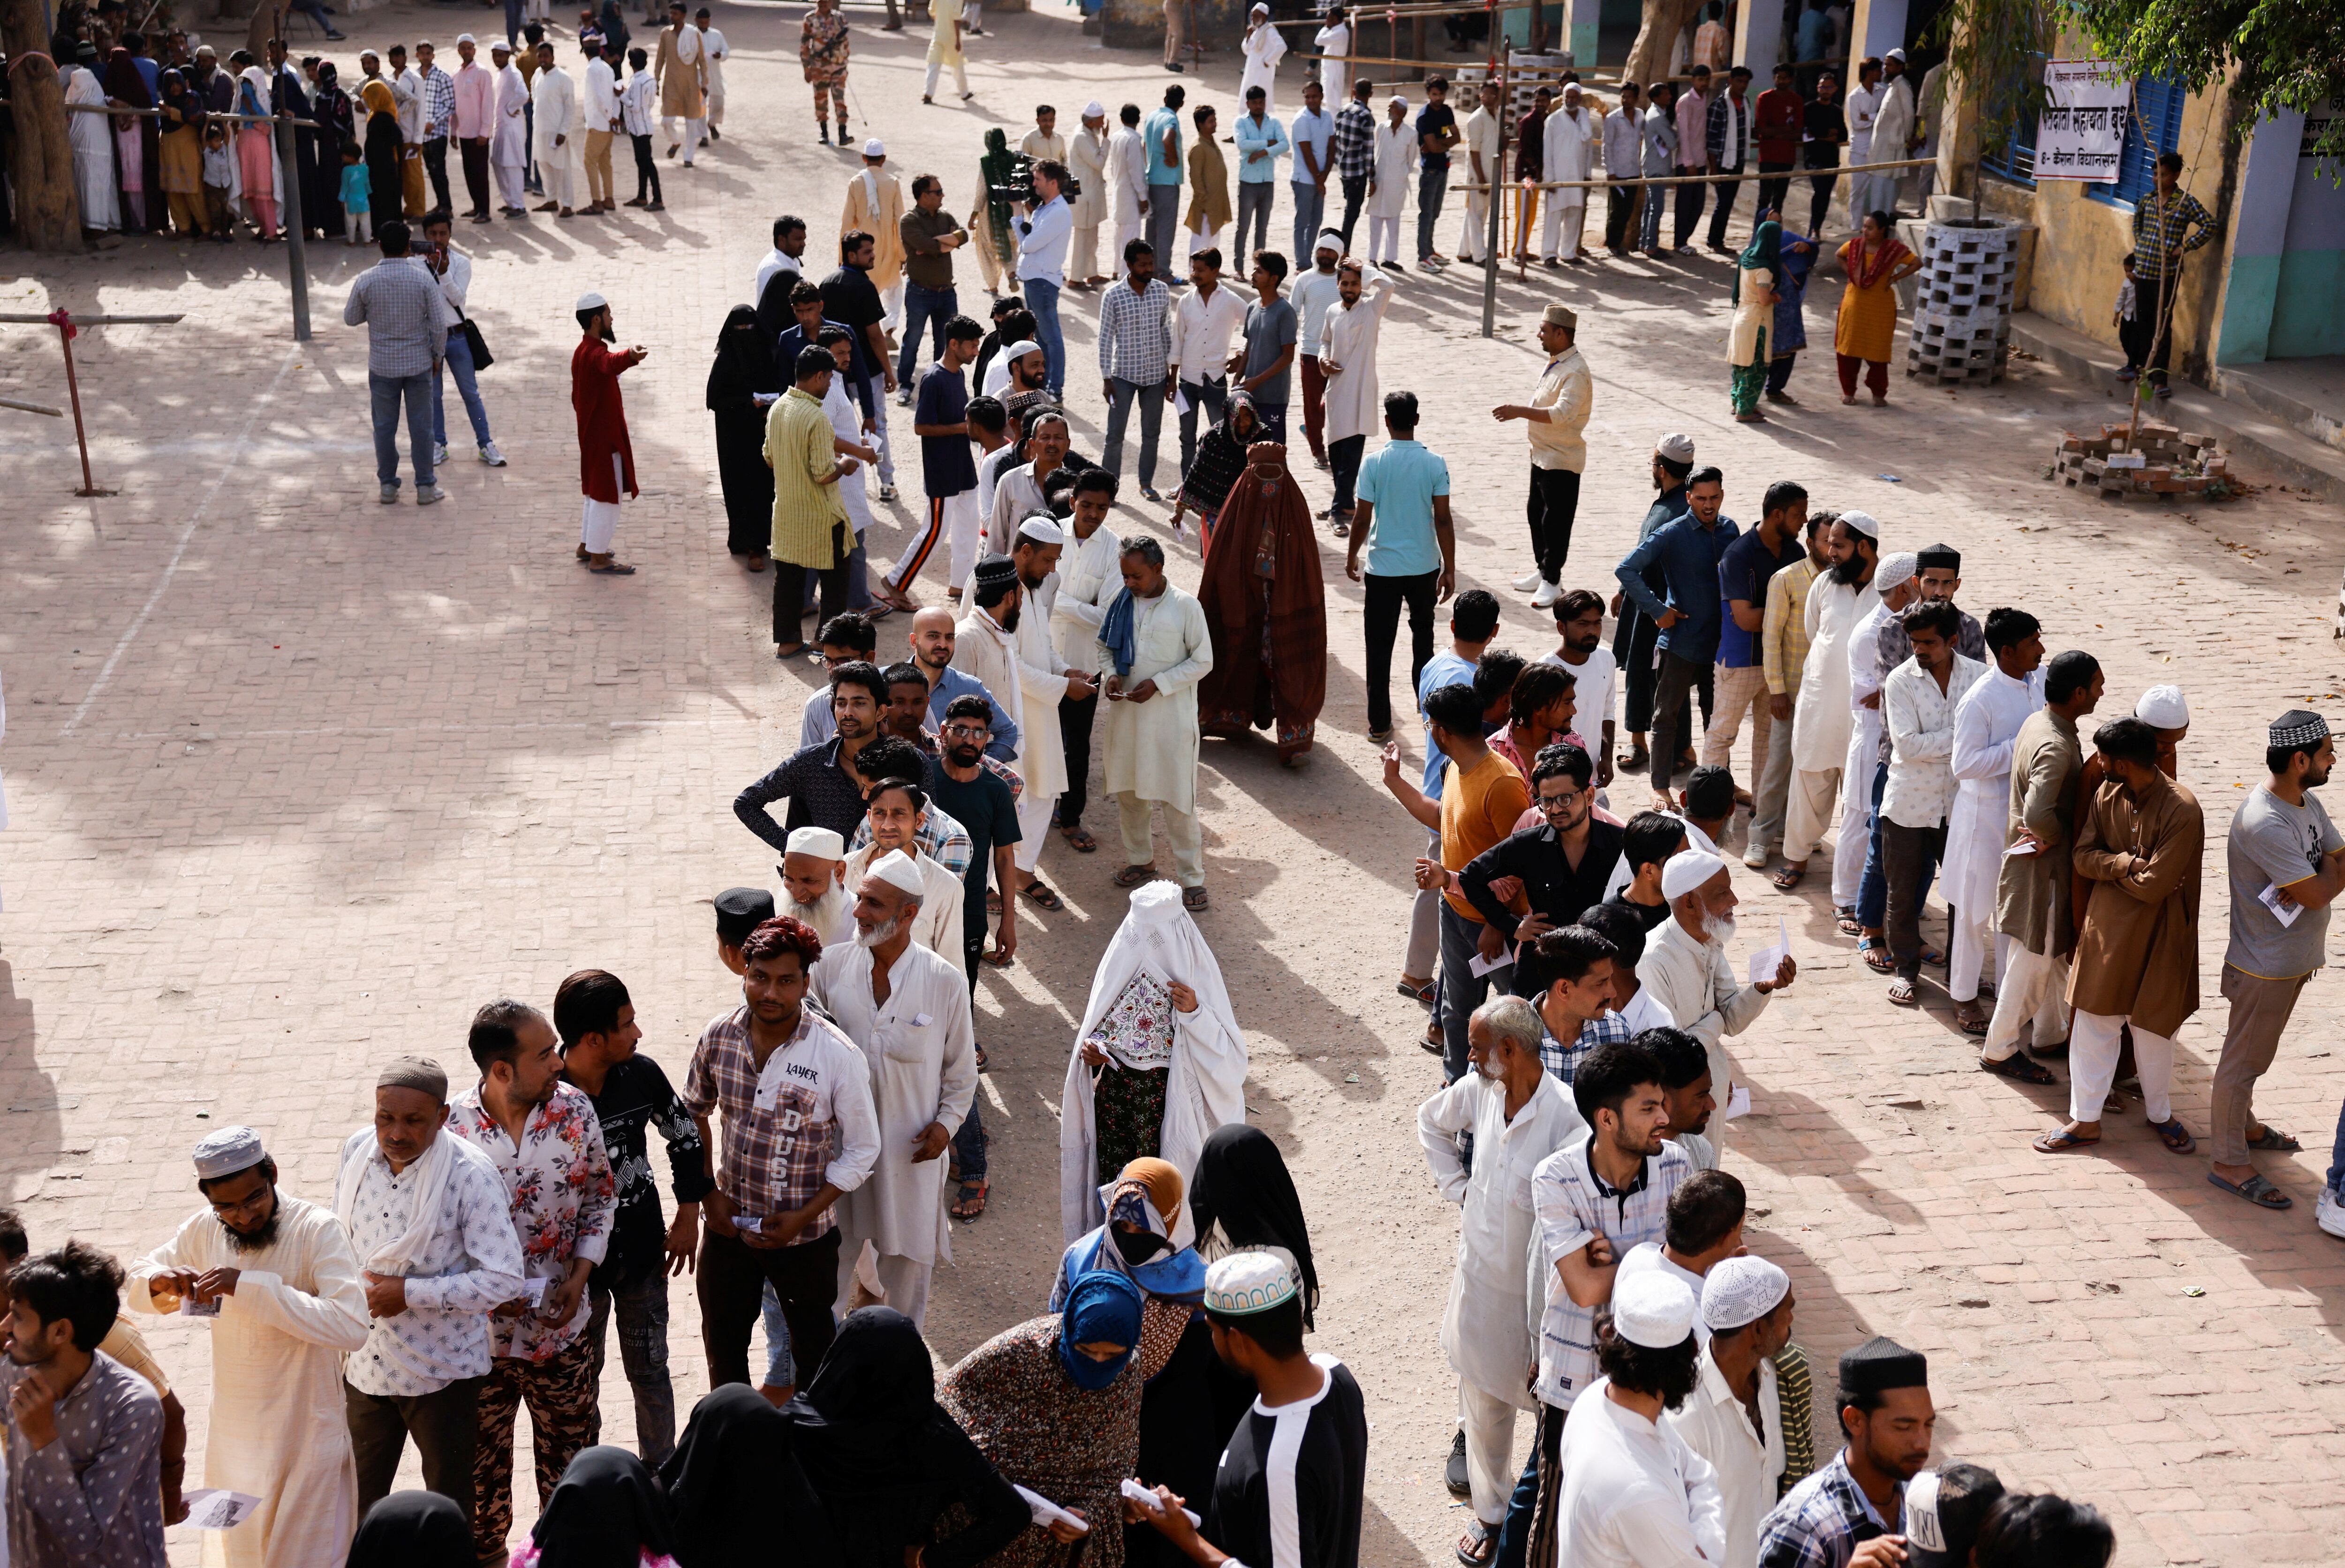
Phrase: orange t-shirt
[1479,808]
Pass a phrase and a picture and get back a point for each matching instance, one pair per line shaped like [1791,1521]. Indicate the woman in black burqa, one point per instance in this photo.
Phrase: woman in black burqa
[1243,1198]
[744,367]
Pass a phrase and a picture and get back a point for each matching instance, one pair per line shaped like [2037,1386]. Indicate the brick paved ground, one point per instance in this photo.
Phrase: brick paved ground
[297,779]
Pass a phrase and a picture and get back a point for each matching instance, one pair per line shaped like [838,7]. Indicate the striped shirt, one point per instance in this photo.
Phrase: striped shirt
[1784,630]
[1564,1060]
[1574,1206]
[439,102]
[2158,224]
[1135,332]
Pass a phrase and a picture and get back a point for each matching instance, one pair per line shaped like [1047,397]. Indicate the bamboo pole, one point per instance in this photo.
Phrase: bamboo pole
[1711,178]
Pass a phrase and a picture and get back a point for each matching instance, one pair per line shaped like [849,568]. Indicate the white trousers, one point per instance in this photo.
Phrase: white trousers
[597,528]
[2093,1047]
[560,188]
[1083,257]
[693,131]
[2034,989]
[1855,831]
[877,434]
[511,181]
[961,77]
[892,301]
[1476,227]
[1807,815]
[716,105]
[1974,947]
[1489,1424]
[903,1281]
[1125,233]
[1204,239]
[1033,826]
[1564,219]
[1383,239]
[1181,829]
[952,519]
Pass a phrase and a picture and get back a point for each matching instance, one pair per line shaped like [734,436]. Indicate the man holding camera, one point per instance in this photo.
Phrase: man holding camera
[1042,237]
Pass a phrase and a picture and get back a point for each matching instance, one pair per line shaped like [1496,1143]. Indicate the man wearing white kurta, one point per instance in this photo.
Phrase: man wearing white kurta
[1397,155]
[1741,1326]
[1686,969]
[1569,133]
[1820,718]
[598,105]
[281,1276]
[1895,582]
[1264,47]
[1087,160]
[1517,1114]
[1987,723]
[560,145]
[936,924]
[1127,180]
[508,143]
[907,1009]
[1025,674]
[1893,134]
[1155,648]
[1348,357]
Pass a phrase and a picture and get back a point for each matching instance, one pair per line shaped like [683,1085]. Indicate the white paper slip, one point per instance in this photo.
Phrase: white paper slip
[1180,398]
[1767,960]
[213,1509]
[2024,846]
[2285,913]
[1738,1103]
[1481,965]
[535,1290]
[746,1224]
[1047,1513]
[1146,1497]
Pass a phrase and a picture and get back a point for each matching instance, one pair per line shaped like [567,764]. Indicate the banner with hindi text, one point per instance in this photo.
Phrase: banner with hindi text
[2081,133]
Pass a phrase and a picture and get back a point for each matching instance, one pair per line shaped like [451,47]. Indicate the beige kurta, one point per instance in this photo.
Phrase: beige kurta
[1087,161]
[2031,902]
[936,927]
[1152,747]
[679,71]
[875,204]
[1348,342]
[1038,147]
[2138,955]
[278,1430]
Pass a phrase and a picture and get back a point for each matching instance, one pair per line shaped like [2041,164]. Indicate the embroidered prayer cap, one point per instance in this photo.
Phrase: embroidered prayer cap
[1245,1283]
[1561,315]
[1094,110]
[993,572]
[741,910]
[418,1073]
[1041,529]
[1688,870]
[822,843]
[1740,1291]
[228,1151]
[895,869]
[875,148]
[1023,347]
[1881,1365]
[2298,727]
[1653,1310]
[1939,555]
[1895,570]
[1861,522]
[1161,1178]
[1677,446]
[2162,708]
[591,301]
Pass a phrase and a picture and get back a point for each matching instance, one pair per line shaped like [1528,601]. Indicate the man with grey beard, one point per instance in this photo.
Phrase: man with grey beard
[814,886]
[885,984]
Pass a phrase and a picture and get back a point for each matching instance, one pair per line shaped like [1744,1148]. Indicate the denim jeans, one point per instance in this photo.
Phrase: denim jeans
[1515,1536]
[1462,990]
[781,1368]
[386,391]
[1344,456]
[1120,394]
[1212,395]
[1043,299]
[1310,207]
[1432,185]
[923,307]
[1254,208]
[458,364]
[1356,195]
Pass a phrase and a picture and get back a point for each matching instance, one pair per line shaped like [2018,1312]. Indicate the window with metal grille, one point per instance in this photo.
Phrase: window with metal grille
[2155,127]
[2017,160]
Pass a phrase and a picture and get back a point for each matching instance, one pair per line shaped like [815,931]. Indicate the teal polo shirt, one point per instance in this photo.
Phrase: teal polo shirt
[1401,479]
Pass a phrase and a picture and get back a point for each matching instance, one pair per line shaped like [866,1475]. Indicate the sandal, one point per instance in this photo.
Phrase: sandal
[2017,1067]
[2061,1142]
[2271,1140]
[1971,1018]
[2255,1190]
[1080,839]
[1039,894]
[2174,1135]
[1789,877]
[1846,922]
[1414,989]
[1902,993]
[970,1201]
[994,958]
[1133,875]
[1876,954]
[1932,956]
[992,900]
[1477,1546]
[1193,898]
[612,568]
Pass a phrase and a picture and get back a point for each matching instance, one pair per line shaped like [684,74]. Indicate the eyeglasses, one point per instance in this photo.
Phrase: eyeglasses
[1552,804]
[968,733]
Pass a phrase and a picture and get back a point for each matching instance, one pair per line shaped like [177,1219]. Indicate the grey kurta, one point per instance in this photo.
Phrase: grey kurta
[2030,895]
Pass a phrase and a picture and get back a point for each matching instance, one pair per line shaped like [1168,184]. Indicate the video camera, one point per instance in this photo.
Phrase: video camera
[1018,188]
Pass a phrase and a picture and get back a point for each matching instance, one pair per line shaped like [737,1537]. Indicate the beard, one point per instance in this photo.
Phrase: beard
[964,756]
[1009,619]
[1721,928]
[823,913]
[879,935]
[1853,571]
[610,333]
[259,1239]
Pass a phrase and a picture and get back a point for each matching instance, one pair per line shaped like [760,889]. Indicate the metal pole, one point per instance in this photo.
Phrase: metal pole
[1496,197]
[73,390]
[296,259]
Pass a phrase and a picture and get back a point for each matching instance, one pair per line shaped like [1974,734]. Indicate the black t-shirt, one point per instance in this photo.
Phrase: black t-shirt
[637,1098]
[849,299]
[1648,914]
[1317,1481]
[945,466]
[1823,126]
[989,815]
[1430,121]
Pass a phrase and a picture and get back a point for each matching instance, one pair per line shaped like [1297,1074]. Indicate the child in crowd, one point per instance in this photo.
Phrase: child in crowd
[2133,333]
[356,187]
[219,173]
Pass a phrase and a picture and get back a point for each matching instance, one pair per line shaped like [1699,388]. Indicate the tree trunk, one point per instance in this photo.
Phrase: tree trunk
[40,165]
[267,22]
[1657,36]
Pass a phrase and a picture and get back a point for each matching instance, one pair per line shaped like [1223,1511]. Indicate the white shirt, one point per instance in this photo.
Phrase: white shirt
[1986,725]
[1921,720]
[775,261]
[636,103]
[1089,578]
[1634,1494]
[457,281]
[1892,122]
[1202,327]
[1624,145]
[1591,692]
[1645,1011]
[1864,109]
[1481,136]
[601,90]
[1573,1205]
[1314,295]
[1042,242]
[714,54]
[1715,1425]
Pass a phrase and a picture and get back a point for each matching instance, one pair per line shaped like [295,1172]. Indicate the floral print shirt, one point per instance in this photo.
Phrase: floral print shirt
[563,1199]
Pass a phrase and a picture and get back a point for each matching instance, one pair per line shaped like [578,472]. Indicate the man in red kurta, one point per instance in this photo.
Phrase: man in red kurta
[1783,113]
[606,463]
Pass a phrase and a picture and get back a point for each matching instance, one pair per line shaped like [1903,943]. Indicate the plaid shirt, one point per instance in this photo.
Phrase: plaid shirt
[1822,1521]
[1355,143]
[439,102]
[1574,1206]
[802,1119]
[2158,223]
[1784,630]
[1564,1060]
[1135,332]
[406,314]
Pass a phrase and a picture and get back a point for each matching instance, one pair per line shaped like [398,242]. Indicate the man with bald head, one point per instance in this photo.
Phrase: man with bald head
[907,1007]
[1685,967]
[935,633]
[430,1224]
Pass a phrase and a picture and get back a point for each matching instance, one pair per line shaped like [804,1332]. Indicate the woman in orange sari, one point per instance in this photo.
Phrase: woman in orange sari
[1866,330]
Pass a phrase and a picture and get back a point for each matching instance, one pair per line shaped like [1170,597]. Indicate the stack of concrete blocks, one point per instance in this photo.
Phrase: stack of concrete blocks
[2162,462]
[1962,310]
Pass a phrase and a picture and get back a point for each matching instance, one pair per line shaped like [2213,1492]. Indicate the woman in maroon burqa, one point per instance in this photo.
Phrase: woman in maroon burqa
[1266,610]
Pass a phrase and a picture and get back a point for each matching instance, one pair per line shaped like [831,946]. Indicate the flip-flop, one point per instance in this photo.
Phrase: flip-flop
[2018,1069]
[1477,1546]
[1846,922]
[1133,875]
[995,959]
[616,569]
[1932,956]
[1193,898]
[2274,1141]
[2060,1142]
[1904,994]
[1039,894]
[2174,1135]
[1080,839]
[2255,1190]
[1876,954]
[971,1192]
[1789,877]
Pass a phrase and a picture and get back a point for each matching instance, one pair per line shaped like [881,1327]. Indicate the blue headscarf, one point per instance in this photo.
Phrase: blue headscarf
[1102,1308]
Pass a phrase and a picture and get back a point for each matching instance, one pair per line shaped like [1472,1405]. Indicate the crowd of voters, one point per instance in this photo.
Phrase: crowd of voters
[1573,937]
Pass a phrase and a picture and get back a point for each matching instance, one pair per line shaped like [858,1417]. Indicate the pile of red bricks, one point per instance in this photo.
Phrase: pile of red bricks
[2161,462]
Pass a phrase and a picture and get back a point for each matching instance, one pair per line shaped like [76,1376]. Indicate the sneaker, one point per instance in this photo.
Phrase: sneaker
[1453,1474]
[904,396]
[1548,593]
[439,454]
[1755,857]
[2329,1214]
[389,495]
[491,455]
[887,492]
[425,495]
[1529,581]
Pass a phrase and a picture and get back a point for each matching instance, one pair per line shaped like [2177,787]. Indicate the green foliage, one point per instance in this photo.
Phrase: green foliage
[2287,54]
[1995,48]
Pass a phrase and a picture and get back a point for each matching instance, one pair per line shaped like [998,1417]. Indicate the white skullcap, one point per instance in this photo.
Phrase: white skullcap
[1399,98]
[2162,708]
[228,1151]
[822,843]
[1896,55]
[1687,870]
[499,46]
[1741,1291]
[1861,522]
[1243,1283]
[1023,347]
[1259,7]
[591,301]
[875,148]
[1041,530]
[1896,568]
[1677,446]
[1653,1310]
[1094,110]
[897,870]
[466,38]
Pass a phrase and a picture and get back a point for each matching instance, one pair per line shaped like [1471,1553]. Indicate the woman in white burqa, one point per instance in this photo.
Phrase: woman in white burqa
[1159,1061]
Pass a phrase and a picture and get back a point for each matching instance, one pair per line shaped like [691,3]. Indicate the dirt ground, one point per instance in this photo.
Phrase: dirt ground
[297,779]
